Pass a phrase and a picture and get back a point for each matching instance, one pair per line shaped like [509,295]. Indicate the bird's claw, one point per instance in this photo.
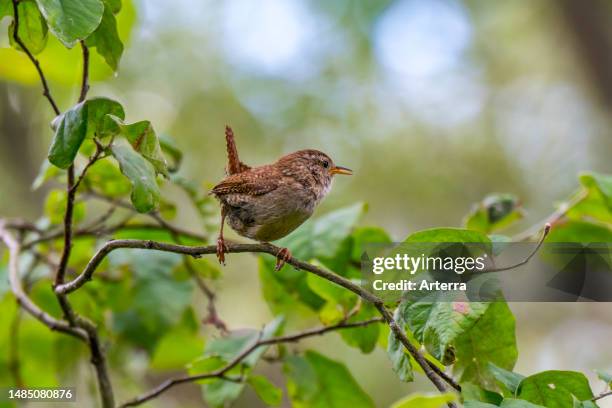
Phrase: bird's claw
[221,250]
[284,255]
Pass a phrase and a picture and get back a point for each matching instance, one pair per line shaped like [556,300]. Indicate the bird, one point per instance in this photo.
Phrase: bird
[268,202]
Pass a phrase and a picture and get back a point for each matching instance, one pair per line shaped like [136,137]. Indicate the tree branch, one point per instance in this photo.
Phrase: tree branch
[197,251]
[25,49]
[221,373]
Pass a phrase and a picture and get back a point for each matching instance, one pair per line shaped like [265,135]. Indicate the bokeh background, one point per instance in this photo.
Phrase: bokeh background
[433,104]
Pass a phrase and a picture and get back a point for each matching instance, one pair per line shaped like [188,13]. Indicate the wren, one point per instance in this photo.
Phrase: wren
[268,202]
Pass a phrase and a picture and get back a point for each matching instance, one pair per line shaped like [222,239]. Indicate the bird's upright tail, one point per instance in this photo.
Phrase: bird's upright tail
[234,165]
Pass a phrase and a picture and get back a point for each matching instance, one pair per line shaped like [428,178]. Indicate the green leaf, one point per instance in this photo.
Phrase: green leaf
[509,379]
[491,339]
[268,392]
[424,401]
[32,27]
[176,349]
[106,38]
[71,20]
[555,388]
[97,109]
[363,338]
[69,136]
[399,357]
[143,139]
[218,393]
[600,182]
[145,192]
[72,127]
[315,381]
[495,212]
[472,392]
[593,202]
[604,376]
[580,231]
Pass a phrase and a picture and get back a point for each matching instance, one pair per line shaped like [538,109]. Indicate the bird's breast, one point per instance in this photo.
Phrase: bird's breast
[270,216]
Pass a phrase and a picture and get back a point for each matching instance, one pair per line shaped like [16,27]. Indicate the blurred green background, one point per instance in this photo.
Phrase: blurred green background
[433,104]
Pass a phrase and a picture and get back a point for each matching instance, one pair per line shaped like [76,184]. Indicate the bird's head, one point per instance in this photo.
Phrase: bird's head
[315,164]
[318,163]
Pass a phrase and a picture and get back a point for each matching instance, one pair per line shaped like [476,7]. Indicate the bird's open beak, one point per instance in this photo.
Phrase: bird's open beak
[341,170]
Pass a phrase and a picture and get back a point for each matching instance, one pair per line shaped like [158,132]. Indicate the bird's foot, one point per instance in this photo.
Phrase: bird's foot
[221,250]
[284,255]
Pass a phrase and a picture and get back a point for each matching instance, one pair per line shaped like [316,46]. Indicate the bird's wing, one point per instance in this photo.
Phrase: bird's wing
[234,165]
[249,183]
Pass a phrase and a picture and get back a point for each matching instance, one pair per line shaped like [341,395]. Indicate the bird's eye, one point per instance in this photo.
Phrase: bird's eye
[325,163]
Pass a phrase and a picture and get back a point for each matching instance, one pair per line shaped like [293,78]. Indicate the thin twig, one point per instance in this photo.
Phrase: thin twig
[220,373]
[213,316]
[524,261]
[602,395]
[93,159]
[153,215]
[25,49]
